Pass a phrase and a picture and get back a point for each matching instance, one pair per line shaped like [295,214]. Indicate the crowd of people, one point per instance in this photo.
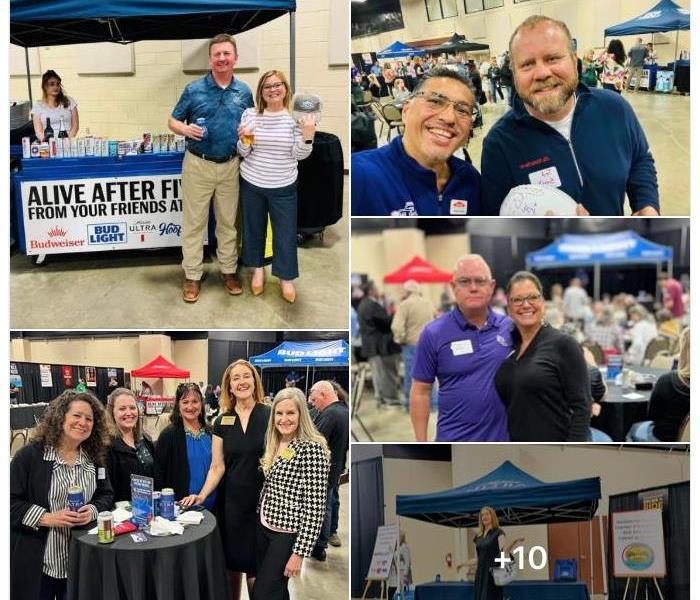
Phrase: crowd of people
[557,114]
[269,472]
[520,363]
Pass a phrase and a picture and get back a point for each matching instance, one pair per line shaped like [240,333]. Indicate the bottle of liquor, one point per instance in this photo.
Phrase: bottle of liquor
[62,133]
[48,130]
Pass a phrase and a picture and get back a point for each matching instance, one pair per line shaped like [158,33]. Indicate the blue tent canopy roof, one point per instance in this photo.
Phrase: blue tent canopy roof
[517,497]
[624,247]
[399,49]
[58,22]
[665,16]
[312,354]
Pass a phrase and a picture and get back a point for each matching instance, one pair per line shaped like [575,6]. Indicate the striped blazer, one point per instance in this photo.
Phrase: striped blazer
[293,496]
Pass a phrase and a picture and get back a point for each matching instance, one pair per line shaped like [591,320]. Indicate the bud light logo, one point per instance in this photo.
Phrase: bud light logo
[169,229]
[107,233]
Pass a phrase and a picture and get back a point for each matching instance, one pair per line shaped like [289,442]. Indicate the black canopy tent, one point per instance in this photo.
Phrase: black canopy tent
[456,43]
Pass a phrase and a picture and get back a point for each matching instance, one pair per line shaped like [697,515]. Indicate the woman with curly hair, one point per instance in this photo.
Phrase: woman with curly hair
[67,449]
[183,449]
[238,441]
[614,70]
[293,498]
[131,451]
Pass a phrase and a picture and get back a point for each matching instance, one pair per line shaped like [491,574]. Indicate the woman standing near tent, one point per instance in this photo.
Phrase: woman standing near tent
[544,382]
[490,542]
[614,70]
[238,442]
[55,105]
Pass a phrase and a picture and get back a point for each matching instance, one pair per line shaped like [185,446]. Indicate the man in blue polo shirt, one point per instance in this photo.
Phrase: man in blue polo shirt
[210,165]
[463,349]
[417,174]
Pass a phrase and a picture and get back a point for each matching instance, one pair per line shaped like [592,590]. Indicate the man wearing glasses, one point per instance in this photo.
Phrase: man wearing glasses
[417,174]
[210,166]
[561,133]
[463,349]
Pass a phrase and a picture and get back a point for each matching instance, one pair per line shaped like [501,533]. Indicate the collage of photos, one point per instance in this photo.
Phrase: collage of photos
[349,299]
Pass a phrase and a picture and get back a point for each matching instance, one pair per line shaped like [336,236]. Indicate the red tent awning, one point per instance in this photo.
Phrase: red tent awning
[419,270]
[159,367]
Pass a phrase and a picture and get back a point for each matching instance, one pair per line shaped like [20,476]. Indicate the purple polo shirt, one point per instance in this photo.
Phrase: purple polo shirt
[464,360]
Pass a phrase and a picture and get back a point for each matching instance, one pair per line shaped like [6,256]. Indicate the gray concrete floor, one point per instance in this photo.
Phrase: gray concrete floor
[666,122]
[136,289]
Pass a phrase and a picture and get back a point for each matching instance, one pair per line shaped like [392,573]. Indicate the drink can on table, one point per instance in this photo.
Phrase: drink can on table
[66,147]
[75,498]
[147,142]
[53,147]
[156,504]
[167,504]
[26,148]
[81,147]
[105,527]
[74,146]
[89,146]
[180,143]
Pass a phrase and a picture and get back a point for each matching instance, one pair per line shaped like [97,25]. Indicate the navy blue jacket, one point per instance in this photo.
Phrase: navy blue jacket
[608,155]
[387,181]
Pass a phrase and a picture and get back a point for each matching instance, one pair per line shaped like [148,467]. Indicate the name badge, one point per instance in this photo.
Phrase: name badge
[228,420]
[458,207]
[101,473]
[548,176]
[461,347]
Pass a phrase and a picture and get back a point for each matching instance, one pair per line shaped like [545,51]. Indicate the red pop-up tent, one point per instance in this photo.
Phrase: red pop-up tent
[159,367]
[419,270]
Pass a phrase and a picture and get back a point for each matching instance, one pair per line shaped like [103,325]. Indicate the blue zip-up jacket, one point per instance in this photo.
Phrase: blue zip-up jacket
[608,156]
[388,182]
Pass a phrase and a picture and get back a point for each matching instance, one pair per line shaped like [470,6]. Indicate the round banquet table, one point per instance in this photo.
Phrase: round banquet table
[188,566]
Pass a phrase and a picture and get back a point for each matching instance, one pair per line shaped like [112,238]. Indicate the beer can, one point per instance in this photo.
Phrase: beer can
[26,148]
[156,504]
[35,149]
[105,147]
[105,527]
[75,499]
[44,150]
[59,148]
[180,143]
[112,147]
[65,142]
[156,143]
[167,504]
[53,147]
[147,142]
[202,122]
[81,147]
[171,142]
[89,146]
[73,146]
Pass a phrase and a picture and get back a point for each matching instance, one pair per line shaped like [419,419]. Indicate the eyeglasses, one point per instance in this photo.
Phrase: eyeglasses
[531,299]
[468,281]
[437,103]
[273,86]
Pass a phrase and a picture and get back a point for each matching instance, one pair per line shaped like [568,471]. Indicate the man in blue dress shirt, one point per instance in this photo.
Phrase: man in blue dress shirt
[210,166]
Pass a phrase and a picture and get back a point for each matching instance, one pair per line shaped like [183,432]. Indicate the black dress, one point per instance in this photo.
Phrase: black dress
[239,490]
[487,550]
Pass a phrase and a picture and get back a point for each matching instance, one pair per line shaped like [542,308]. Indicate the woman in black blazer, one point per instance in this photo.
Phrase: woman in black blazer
[68,448]
[293,498]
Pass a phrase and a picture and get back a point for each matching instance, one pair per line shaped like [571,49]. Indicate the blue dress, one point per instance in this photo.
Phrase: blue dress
[199,459]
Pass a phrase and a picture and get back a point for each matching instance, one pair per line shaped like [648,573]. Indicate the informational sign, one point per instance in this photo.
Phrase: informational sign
[383,555]
[109,213]
[67,374]
[45,374]
[638,544]
[154,405]
[653,499]
[141,499]
[91,376]
[15,377]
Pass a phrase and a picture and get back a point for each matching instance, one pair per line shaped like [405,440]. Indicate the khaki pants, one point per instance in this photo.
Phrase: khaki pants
[632,72]
[202,179]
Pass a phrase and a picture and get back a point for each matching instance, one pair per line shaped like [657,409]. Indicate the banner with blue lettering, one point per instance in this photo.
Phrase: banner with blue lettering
[109,213]
[319,354]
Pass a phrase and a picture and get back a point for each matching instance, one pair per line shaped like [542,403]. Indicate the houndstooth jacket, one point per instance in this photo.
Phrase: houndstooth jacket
[294,492]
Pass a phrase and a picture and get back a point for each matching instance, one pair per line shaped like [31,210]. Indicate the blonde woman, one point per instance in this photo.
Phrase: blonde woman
[238,441]
[293,498]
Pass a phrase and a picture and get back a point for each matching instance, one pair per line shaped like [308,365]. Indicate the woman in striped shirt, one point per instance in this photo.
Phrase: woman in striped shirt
[270,143]
[67,449]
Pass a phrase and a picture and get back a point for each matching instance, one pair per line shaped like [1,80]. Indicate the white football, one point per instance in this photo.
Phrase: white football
[537,201]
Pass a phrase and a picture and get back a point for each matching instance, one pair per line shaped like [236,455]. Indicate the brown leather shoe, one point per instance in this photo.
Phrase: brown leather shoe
[190,290]
[232,284]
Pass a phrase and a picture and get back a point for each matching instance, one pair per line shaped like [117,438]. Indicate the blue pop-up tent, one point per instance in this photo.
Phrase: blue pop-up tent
[398,49]
[517,497]
[598,250]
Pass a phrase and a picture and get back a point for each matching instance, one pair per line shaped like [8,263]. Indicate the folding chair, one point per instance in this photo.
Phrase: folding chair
[379,112]
[394,117]
[655,346]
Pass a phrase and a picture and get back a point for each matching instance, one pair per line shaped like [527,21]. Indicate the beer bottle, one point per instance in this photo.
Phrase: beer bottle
[48,130]
[62,133]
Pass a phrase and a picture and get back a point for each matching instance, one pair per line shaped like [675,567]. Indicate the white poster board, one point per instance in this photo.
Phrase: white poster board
[383,554]
[45,374]
[638,544]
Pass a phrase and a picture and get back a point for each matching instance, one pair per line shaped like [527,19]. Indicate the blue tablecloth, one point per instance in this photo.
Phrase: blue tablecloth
[519,590]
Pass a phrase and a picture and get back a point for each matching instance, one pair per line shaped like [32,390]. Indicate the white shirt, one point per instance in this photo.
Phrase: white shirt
[43,111]
[563,126]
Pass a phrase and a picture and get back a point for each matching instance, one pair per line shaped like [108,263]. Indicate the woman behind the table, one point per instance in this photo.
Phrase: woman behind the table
[183,449]
[54,105]
[490,543]
[67,449]
[131,450]
[293,498]
[238,442]
[268,180]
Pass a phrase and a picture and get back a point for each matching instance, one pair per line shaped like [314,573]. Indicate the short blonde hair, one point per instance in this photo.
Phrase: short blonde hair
[260,104]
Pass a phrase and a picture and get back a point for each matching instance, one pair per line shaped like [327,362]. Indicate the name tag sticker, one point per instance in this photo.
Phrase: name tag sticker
[101,473]
[461,347]
[229,420]
[548,176]
[458,207]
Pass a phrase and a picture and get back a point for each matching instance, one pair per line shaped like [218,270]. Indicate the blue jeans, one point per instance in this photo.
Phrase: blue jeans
[408,353]
[281,204]
[330,520]
[642,432]
[599,436]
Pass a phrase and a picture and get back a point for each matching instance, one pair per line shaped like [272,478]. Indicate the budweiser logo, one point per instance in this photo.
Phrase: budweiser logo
[57,232]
